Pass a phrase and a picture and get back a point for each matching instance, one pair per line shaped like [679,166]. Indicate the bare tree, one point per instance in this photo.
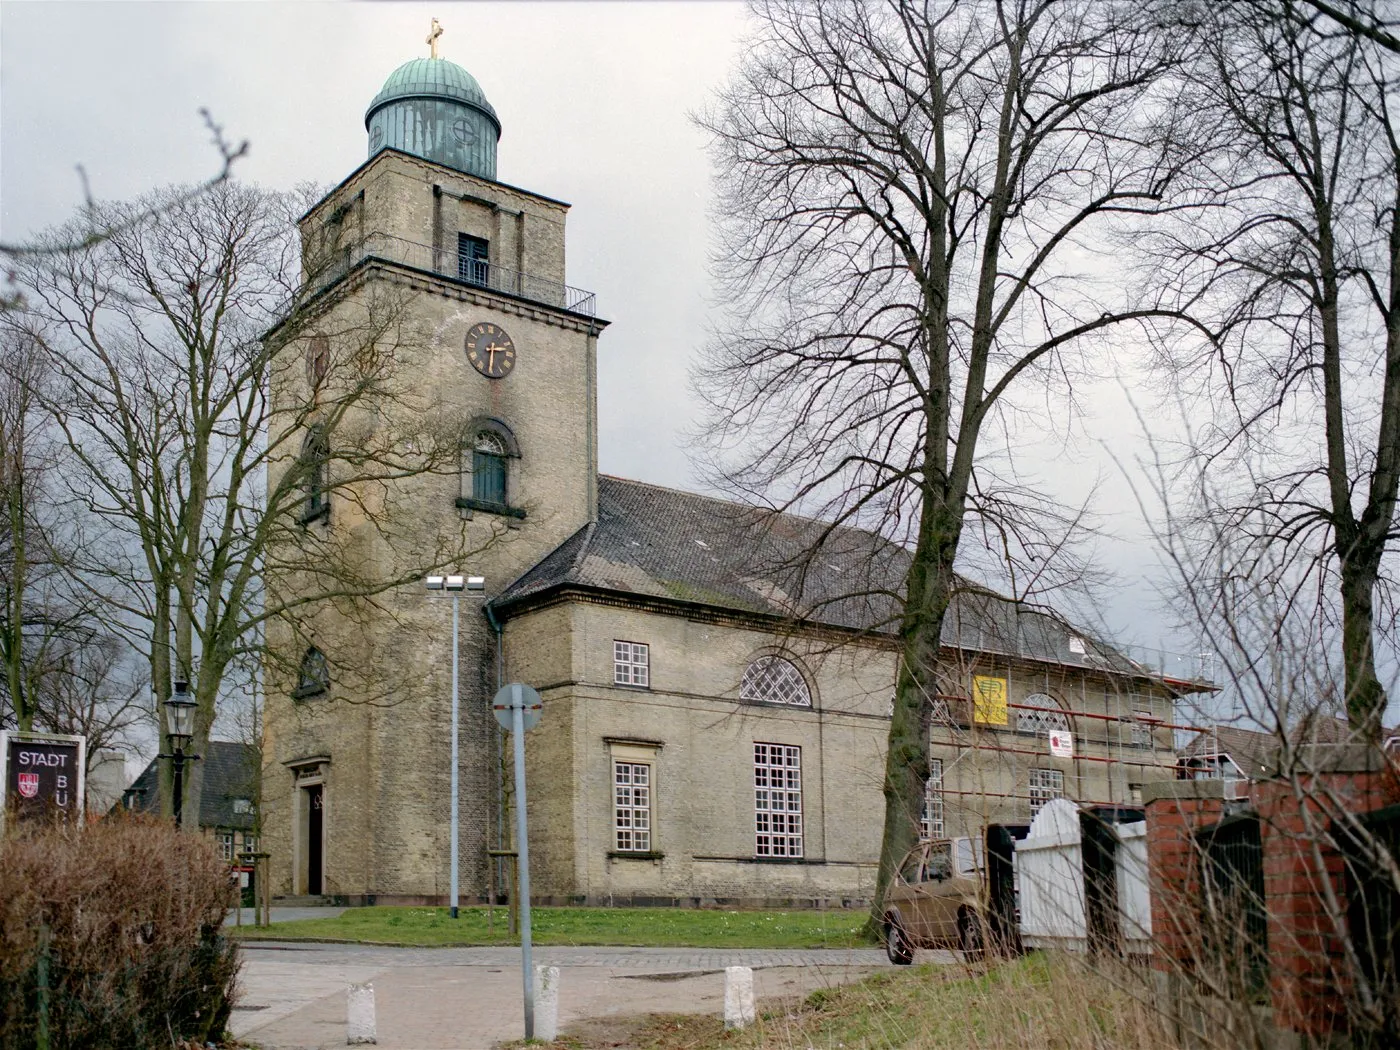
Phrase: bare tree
[1293,259]
[910,196]
[168,337]
[94,226]
[39,622]
[1373,21]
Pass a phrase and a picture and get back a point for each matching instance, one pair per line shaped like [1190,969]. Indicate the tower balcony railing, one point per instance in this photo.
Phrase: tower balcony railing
[446,262]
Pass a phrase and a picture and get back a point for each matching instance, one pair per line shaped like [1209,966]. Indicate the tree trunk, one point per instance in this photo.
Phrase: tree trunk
[1365,698]
[929,587]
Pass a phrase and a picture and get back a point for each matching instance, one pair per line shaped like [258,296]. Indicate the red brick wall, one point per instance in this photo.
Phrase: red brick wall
[1174,875]
[1308,971]
[1309,975]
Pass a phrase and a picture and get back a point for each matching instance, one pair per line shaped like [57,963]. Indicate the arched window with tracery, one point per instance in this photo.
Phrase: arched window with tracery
[1044,715]
[775,680]
[489,477]
[314,677]
[315,462]
[489,468]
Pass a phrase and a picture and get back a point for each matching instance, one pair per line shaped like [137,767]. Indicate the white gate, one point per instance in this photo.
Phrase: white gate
[1050,869]
[1134,901]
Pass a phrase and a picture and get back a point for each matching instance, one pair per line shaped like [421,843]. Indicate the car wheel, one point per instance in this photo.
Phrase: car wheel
[897,945]
[970,938]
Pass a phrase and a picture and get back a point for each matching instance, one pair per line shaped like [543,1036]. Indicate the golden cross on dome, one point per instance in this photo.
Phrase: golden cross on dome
[433,34]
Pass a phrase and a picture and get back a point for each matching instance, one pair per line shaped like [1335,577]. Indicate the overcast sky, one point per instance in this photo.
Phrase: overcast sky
[594,99]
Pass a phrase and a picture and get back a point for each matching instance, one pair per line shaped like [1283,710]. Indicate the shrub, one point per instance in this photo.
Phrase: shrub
[109,937]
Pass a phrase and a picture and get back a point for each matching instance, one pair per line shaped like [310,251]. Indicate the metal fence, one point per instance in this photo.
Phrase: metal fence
[448,262]
[1234,926]
[1371,854]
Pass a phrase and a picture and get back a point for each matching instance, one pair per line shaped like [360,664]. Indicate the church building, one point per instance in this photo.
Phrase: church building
[715,706]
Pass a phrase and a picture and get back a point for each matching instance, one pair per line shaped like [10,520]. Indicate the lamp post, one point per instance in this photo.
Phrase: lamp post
[454,585]
[179,726]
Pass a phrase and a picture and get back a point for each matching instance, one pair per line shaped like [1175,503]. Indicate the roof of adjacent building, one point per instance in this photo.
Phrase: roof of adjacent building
[1249,749]
[1325,729]
[230,771]
[1255,752]
[686,549]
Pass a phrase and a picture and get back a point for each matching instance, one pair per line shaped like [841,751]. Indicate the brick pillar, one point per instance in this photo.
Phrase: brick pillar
[1309,976]
[1175,810]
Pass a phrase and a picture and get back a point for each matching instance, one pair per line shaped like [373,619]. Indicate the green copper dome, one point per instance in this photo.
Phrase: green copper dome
[435,109]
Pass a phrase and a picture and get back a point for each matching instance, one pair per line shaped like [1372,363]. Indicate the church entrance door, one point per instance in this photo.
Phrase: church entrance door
[315,838]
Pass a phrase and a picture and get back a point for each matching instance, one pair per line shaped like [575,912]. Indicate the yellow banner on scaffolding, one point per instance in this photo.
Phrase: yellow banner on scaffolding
[989,700]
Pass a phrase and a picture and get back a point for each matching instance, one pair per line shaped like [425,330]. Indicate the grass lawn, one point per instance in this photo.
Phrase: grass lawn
[654,927]
[1036,1003]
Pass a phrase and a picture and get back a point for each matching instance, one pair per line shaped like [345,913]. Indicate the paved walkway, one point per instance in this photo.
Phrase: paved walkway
[249,915]
[470,998]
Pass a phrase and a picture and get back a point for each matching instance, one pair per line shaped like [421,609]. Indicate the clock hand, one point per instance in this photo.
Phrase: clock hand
[491,359]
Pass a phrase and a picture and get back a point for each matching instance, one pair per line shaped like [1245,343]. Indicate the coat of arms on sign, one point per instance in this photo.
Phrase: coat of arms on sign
[29,784]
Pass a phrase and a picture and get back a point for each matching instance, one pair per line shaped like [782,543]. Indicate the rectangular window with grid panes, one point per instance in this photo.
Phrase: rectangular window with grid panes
[631,663]
[931,820]
[1142,729]
[632,806]
[1045,785]
[777,800]
[226,845]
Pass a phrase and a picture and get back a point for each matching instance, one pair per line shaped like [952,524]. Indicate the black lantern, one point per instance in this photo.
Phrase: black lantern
[179,725]
[179,715]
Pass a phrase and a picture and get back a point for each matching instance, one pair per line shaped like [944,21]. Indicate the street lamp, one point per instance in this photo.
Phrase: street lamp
[454,585]
[179,726]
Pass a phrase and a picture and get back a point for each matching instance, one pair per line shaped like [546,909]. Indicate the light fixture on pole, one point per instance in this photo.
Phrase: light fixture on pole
[179,727]
[454,585]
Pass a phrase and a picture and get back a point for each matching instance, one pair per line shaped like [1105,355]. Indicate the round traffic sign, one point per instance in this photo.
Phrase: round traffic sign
[514,695]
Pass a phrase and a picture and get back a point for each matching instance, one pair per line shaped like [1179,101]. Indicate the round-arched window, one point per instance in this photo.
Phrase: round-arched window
[489,468]
[1046,715]
[314,676]
[774,680]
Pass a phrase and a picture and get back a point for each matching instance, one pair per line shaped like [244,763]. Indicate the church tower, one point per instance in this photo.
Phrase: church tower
[451,284]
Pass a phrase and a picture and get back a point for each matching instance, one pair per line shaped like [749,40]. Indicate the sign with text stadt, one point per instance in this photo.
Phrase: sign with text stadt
[1061,743]
[42,775]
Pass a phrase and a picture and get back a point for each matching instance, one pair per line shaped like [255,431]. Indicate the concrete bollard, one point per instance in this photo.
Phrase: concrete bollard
[359,1015]
[738,997]
[547,1003]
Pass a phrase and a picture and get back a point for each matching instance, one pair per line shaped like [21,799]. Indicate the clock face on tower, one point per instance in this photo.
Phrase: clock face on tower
[490,350]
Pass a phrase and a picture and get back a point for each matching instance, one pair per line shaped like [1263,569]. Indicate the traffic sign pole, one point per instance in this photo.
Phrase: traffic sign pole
[518,708]
[523,845]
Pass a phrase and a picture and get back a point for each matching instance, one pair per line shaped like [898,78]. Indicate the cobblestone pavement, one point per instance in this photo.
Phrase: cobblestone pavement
[470,998]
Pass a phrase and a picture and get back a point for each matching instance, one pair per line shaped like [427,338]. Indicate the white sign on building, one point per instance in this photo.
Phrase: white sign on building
[1061,743]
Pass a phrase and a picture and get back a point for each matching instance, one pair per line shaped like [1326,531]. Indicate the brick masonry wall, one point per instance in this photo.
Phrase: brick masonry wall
[1304,879]
[1305,886]
[1175,810]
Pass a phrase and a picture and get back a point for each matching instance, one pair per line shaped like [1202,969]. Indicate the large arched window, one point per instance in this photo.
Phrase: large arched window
[1045,716]
[489,468]
[489,455]
[318,361]
[314,677]
[315,459]
[774,680]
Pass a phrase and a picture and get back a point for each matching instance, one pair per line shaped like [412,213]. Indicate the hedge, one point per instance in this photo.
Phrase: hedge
[110,937]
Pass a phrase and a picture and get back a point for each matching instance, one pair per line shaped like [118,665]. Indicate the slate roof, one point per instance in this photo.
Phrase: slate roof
[1325,729]
[230,771]
[686,549]
[1250,749]
[1255,752]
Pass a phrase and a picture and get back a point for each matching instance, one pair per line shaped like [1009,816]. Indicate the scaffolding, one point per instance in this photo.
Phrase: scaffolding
[1122,727]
